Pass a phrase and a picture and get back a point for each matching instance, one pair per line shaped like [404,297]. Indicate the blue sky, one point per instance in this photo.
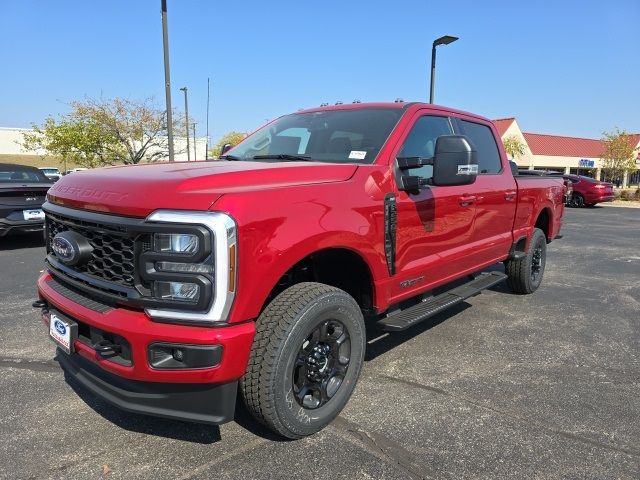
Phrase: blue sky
[562,67]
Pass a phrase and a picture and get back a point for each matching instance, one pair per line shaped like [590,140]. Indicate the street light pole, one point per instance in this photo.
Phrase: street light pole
[195,145]
[167,76]
[186,120]
[206,150]
[446,40]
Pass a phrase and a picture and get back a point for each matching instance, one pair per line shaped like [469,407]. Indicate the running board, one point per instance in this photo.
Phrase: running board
[416,314]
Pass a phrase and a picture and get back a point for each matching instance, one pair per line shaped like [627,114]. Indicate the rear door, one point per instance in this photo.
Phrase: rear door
[434,226]
[496,194]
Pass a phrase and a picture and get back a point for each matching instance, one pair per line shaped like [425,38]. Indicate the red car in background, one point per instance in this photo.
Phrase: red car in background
[588,191]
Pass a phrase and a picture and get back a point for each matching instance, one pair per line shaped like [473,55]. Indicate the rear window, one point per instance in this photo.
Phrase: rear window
[488,153]
[21,175]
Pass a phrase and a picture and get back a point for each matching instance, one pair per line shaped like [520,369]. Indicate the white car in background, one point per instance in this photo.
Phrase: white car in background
[73,170]
[52,173]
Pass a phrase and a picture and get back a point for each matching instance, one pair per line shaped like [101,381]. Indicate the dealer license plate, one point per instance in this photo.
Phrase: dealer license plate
[33,214]
[63,331]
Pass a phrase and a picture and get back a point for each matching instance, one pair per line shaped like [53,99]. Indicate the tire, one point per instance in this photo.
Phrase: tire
[297,380]
[525,275]
[577,200]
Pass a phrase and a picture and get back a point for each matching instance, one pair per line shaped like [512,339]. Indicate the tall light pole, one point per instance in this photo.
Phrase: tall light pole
[195,145]
[167,76]
[446,40]
[206,149]
[186,120]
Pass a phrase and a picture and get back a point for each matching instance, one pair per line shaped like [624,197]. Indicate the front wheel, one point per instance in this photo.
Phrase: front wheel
[525,275]
[305,360]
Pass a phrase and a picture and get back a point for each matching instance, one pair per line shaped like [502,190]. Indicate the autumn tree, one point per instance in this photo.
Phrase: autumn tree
[104,132]
[618,155]
[233,138]
[514,147]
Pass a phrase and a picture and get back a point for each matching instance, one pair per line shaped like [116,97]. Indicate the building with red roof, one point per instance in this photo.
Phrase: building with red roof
[562,153]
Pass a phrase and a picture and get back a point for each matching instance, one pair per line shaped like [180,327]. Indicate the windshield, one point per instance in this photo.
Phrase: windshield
[333,136]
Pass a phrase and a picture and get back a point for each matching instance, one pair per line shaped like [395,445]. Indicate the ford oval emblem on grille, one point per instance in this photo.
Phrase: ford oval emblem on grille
[71,248]
[59,326]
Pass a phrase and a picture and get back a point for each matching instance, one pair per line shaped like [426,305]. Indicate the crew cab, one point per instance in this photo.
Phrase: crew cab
[168,287]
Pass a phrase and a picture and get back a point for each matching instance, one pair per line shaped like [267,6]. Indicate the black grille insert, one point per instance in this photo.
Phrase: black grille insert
[113,255]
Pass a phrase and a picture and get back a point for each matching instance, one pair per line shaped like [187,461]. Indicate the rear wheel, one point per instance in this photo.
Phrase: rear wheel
[577,200]
[525,275]
[306,359]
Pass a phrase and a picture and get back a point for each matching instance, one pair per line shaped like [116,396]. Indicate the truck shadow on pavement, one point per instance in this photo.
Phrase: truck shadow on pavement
[164,427]
[16,242]
[139,423]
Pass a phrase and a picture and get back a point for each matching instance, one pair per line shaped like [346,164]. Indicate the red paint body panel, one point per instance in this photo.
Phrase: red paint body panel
[288,210]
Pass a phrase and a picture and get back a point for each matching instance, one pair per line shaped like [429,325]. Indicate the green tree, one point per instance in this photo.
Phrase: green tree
[104,132]
[514,147]
[618,155]
[233,138]
[82,143]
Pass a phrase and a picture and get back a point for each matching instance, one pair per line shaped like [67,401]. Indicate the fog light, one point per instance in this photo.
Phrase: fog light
[178,354]
[177,291]
[184,267]
[176,243]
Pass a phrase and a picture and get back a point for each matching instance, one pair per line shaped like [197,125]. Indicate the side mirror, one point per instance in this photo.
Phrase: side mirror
[225,148]
[455,161]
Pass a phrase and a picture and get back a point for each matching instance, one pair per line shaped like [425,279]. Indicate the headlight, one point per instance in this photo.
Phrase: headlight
[184,267]
[195,269]
[175,243]
[181,291]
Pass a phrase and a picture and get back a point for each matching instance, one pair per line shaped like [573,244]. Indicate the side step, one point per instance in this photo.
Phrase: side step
[416,314]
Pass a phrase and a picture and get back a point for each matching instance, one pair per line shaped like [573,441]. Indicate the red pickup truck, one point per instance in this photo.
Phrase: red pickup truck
[168,286]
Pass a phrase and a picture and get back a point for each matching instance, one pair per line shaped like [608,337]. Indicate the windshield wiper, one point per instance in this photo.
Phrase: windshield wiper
[230,157]
[282,156]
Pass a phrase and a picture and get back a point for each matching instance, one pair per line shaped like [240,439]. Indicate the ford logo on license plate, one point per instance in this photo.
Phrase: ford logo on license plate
[59,326]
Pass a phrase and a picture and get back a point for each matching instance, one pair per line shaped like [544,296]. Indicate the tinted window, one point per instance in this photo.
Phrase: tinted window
[421,141]
[485,143]
[20,174]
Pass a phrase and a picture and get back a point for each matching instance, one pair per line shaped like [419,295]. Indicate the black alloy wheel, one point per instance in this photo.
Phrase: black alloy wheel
[321,364]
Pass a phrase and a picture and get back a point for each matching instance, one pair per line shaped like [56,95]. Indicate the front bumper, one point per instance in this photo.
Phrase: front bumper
[139,387]
[194,402]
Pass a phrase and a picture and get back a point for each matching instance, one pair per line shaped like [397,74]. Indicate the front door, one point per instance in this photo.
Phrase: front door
[435,226]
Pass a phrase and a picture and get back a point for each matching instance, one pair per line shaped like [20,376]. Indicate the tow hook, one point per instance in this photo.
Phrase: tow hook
[42,305]
[106,348]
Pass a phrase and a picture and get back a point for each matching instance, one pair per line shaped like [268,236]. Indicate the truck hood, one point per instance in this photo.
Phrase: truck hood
[139,190]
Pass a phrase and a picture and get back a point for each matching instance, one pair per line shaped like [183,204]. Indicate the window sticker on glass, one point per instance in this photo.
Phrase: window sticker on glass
[357,154]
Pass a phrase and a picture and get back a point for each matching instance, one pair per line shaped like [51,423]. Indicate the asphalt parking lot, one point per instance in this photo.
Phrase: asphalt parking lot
[505,386]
